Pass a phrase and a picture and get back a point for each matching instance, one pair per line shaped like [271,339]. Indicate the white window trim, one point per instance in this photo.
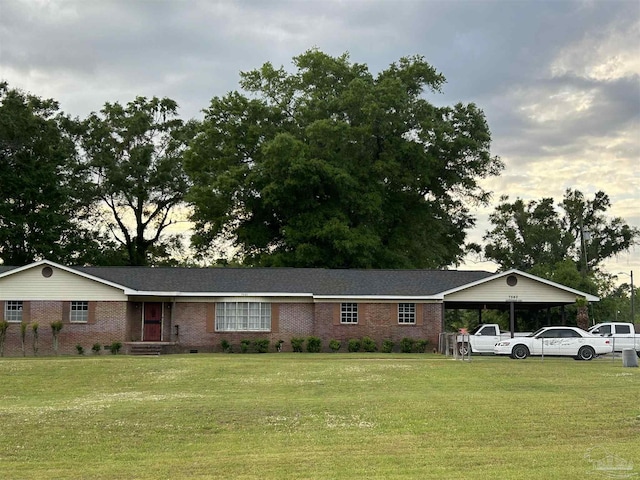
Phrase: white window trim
[349,313]
[10,314]
[243,317]
[79,315]
[407,317]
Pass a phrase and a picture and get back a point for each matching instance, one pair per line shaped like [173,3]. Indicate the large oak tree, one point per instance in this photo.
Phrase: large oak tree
[332,166]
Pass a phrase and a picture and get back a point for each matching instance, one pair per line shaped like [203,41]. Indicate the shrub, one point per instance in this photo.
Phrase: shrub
[115,348]
[387,346]
[279,345]
[23,337]
[354,345]
[406,345]
[297,343]
[80,349]
[368,345]
[334,345]
[261,346]
[96,348]
[314,345]
[244,345]
[4,325]
[226,346]
[55,332]
[421,346]
[34,327]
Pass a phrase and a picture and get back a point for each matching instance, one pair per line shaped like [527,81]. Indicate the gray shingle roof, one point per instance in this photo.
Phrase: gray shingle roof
[287,280]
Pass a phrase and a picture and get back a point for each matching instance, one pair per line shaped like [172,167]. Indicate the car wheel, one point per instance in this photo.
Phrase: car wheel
[463,349]
[520,352]
[586,353]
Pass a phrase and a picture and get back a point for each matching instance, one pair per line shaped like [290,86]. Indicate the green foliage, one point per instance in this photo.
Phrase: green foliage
[244,345]
[115,347]
[314,345]
[96,348]
[406,345]
[80,349]
[354,345]
[56,327]
[34,328]
[23,337]
[135,153]
[297,343]
[335,345]
[420,346]
[226,346]
[331,166]
[536,237]
[41,210]
[369,345]
[4,326]
[387,346]
[261,345]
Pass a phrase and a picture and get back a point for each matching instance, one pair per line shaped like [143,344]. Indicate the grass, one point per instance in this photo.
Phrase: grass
[294,416]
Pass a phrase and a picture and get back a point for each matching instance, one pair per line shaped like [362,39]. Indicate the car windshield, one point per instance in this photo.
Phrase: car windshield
[536,332]
[475,330]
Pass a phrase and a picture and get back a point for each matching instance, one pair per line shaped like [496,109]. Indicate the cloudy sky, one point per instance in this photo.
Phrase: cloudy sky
[559,81]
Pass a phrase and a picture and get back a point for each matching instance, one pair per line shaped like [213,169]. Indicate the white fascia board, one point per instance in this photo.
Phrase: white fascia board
[379,297]
[151,293]
[66,269]
[587,296]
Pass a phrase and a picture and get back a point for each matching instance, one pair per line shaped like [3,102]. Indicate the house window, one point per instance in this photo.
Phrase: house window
[13,311]
[79,312]
[243,317]
[406,313]
[349,313]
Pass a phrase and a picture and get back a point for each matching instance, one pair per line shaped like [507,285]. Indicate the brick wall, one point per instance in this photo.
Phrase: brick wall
[121,321]
[378,321]
[108,325]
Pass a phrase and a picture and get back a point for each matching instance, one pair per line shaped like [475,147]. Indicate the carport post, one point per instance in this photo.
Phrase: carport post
[512,318]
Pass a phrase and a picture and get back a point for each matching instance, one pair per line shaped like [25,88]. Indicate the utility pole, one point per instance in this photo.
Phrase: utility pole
[633,312]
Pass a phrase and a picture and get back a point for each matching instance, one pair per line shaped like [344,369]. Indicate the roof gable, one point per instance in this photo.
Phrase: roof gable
[527,287]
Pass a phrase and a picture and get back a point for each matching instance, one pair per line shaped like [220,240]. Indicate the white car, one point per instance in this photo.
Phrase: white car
[553,341]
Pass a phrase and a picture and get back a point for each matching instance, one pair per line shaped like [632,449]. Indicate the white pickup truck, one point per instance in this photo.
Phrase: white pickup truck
[483,338]
[623,335]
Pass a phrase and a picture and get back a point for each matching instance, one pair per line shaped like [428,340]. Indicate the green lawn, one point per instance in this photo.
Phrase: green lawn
[293,416]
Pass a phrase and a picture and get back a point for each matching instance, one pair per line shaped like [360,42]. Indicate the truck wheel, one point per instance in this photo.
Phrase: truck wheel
[586,353]
[520,352]
[463,349]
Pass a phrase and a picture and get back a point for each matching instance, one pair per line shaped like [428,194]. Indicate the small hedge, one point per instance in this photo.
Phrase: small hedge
[261,345]
[387,346]
[297,344]
[226,346]
[334,345]
[368,345]
[314,345]
[354,345]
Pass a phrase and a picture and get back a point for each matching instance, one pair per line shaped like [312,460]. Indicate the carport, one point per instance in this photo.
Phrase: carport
[513,290]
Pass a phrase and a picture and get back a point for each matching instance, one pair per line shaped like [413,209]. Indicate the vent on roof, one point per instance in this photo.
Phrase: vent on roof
[512,280]
[47,272]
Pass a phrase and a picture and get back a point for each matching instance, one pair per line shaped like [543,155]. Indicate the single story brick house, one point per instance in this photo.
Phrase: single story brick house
[194,309]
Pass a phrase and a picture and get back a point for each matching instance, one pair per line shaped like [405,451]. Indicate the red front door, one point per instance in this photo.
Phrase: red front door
[152,322]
